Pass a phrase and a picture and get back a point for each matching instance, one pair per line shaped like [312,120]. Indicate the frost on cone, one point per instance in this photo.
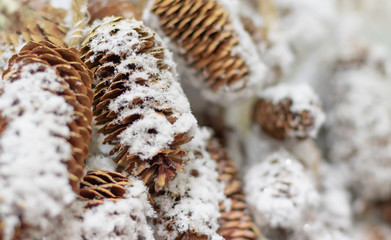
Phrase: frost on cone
[213,44]
[289,112]
[138,102]
[235,221]
[100,9]
[45,130]
[114,207]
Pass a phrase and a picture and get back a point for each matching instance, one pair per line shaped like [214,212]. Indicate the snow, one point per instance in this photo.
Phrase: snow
[197,209]
[34,149]
[162,91]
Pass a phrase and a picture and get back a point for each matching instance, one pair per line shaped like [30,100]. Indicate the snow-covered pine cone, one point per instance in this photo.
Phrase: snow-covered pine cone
[187,210]
[214,45]
[285,112]
[114,207]
[280,191]
[138,101]
[99,9]
[98,186]
[236,223]
[45,107]
[68,66]
[359,122]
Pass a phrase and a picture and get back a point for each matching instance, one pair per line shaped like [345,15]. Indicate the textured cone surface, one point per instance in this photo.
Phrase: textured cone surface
[68,65]
[98,186]
[203,30]
[237,222]
[157,171]
[100,9]
[278,121]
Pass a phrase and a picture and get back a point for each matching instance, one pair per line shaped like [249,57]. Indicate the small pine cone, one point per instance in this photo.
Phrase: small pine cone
[98,186]
[100,9]
[114,207]
[138,102]
[286,112]
[236,223]
[69,67]
[212,45]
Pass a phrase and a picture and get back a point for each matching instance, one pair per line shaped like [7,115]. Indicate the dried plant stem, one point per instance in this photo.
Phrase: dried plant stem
[269,13]
[79,22]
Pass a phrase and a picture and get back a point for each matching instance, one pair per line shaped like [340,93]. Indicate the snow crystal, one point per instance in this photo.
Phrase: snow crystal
[303,99]
[280,191]
[199,194]
[34,149]
[123,219]
[164,93]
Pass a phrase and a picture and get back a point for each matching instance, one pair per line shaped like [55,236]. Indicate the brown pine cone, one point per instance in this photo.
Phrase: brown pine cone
[69,67]
[237,222]
[100,9]
[207,40]
[138,102]
[98,186]
[289,116]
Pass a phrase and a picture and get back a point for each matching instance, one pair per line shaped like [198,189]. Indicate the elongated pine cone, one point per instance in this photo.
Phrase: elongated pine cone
[207,39]
[100,9]
[115,208]
[236,223]
[289,112]
[138,102]
[98,186]
[68,66]
[45,130]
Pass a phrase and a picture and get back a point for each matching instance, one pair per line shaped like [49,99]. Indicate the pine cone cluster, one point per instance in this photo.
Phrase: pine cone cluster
[235,223]
[204,31]
[69,67]
[122,72]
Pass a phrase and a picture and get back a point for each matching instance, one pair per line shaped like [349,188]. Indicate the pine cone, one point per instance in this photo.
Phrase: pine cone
[288,116]
[237,222]
[70,68]
[138,102]
[46,24]
[204,32]
[98,186]
[110,196]
[100,9]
